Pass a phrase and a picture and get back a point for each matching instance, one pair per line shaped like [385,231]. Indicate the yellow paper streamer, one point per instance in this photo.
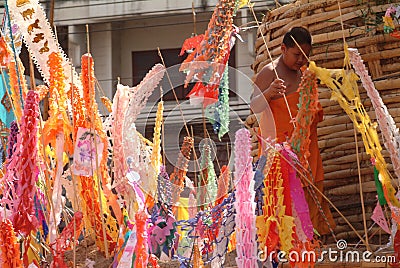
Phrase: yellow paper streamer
[156,160]
[346,93]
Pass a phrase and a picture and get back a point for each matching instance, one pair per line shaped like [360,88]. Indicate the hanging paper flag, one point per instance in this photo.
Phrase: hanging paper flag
[40,39]
[14,32]
[86,149]
[379,218]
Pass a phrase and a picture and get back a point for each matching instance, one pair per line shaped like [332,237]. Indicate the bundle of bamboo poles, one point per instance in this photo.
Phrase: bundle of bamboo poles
[363,29]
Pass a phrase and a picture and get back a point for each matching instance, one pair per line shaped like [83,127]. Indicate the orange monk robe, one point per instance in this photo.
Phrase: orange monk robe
[283,131]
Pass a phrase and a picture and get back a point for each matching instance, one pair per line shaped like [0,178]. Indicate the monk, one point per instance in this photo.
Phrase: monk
[269,92]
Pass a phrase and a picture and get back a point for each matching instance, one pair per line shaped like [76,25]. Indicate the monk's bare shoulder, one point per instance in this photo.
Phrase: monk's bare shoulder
[265,77]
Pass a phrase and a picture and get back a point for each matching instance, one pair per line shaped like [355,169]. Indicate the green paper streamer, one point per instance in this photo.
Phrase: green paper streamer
[223,107]
[379,189]
[210,189]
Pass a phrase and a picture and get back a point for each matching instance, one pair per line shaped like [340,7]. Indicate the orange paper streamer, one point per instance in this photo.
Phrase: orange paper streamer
[9,247]
[86,115]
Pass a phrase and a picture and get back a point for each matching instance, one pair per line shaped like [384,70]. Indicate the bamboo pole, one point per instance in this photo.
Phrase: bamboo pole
[361,186]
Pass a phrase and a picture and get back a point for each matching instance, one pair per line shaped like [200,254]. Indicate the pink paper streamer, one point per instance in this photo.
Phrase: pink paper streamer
[379,218]
[24,164]
[246,247]
[298,199]
[120,104]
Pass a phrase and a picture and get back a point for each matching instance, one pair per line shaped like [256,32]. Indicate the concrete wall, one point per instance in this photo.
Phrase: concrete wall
[95,11]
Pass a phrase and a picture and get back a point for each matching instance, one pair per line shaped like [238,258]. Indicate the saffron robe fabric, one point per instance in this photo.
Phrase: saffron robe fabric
[279,125]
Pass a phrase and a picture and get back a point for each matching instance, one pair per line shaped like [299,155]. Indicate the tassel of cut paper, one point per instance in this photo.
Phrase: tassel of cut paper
[58,122]
[142,249]
[94,120]
[202,178]
[137,150]
[208,60]
[286,233]
[246,246]
[11,29]
[24,164]
[298,198]
[156,160]
[284,209]
[220,119]
[347,95]
[164,187]
[56,131]
[223,184]
[178,176]
[211,180]
[309,107]
[66,239]
[88,117]
[9,247]
[268,223]
[120,104]
[142,92]
[389,130]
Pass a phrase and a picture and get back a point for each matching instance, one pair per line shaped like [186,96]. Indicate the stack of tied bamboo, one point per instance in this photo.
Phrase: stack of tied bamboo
[363,29]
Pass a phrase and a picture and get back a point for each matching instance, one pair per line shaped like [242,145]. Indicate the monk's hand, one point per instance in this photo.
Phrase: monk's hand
[275,90]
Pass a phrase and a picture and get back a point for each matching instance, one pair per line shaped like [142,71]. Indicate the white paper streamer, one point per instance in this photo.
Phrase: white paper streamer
[40,39]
